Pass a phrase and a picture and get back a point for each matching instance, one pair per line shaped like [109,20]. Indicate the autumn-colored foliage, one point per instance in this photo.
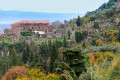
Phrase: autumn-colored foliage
[96,57]
[100,66]
[36,74]
[14,72]
[22,73]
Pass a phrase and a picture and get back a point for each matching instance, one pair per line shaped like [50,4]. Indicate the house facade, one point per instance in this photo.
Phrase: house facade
[33,25]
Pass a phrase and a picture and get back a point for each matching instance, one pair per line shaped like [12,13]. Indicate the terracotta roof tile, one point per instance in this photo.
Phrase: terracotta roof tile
[31,22]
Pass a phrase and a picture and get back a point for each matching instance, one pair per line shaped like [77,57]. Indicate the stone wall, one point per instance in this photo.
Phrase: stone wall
[24,38]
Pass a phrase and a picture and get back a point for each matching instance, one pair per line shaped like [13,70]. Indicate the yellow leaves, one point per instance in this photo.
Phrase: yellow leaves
[112,35]
[107,54]
[37,74]
[114,43]
[52,77]
[103,70]
[22,73]
[96,57]
[99,42]
[28,78]
[86,19]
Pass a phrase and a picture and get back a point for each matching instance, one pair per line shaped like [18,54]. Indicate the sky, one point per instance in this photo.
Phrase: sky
[52,6]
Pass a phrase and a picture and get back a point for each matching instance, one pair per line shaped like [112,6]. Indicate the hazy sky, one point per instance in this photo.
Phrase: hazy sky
[52,6]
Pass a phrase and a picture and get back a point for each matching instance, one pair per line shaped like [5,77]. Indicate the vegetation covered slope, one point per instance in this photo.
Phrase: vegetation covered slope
[94,55]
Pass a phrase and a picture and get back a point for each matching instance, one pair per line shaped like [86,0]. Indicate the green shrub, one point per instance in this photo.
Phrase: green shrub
[104,48]
[26,33]
[96,25]
[79,35]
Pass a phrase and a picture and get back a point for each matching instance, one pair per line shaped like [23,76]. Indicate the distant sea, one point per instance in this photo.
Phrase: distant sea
[9,17]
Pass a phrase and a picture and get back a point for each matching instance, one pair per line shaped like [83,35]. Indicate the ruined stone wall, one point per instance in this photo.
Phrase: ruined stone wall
[24,38]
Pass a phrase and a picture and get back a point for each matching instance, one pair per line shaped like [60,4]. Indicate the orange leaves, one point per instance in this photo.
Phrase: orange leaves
[22,73]
[14,72]
[91,58]
[112,35]
[96,57]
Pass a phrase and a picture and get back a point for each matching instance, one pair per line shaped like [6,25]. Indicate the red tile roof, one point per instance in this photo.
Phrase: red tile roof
[31,22]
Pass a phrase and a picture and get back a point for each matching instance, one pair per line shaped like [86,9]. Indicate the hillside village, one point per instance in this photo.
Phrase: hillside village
[43,29]
[83,48]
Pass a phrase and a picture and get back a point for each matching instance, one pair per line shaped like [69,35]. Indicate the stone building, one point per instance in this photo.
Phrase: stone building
[61,33]
[33,25]
[50,35]
[117,4]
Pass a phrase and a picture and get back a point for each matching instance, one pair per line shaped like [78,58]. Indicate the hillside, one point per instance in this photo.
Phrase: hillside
[104,6]
[83,48]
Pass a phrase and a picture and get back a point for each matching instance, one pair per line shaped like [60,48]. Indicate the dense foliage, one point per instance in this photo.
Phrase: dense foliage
[26,33]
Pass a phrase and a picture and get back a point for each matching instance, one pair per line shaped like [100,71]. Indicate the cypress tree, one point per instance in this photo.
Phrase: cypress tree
[24,56]
[49,46]
[37,61]
[28,51]
[64,43]
[30,57]
[69,34]
[57,44]
[96,25]
[118,37]
[79,22]
[77,36]
[53,57]
[13,57]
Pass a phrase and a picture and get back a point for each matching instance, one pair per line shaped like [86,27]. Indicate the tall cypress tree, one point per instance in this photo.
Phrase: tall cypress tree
[65,42]
[13,57]
[49,46]
[79,22]
[118,37]
[37,61]
[27,51]
[24,56]
[69,34]
[30,57]
[53,57]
